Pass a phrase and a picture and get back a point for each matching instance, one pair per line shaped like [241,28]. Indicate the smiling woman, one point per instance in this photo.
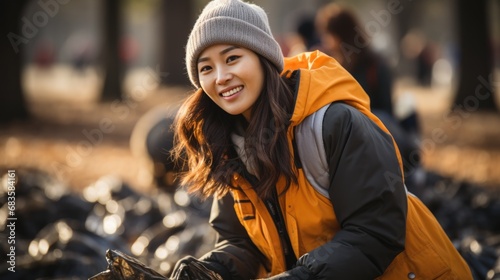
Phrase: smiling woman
[227,75]
[243,135]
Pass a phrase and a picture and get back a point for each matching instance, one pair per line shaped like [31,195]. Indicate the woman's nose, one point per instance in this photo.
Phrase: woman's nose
[223,76]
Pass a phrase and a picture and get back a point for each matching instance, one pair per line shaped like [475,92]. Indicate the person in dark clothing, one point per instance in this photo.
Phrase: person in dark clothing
[343,38]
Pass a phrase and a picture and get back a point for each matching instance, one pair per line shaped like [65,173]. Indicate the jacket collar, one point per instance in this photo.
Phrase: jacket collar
[322,80]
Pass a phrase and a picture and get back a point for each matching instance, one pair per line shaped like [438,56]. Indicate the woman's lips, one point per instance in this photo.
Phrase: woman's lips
[231,91]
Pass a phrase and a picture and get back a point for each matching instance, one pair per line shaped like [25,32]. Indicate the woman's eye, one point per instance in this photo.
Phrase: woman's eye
[232,58]
[204,68]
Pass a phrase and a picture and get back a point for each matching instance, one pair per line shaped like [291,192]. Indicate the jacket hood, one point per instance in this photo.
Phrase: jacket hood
[322,81]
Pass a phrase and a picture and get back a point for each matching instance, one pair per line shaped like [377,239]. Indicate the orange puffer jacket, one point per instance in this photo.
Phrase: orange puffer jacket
[367,227]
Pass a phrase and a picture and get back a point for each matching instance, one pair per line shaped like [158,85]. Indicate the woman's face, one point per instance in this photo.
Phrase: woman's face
[232,77]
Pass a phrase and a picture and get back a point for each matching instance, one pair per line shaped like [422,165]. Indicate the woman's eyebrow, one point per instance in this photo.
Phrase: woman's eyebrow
[224,51]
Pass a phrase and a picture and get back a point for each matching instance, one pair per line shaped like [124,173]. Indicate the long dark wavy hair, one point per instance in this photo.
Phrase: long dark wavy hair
[203,142]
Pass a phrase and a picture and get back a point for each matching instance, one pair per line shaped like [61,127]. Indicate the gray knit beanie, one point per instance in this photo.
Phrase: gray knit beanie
[231,22]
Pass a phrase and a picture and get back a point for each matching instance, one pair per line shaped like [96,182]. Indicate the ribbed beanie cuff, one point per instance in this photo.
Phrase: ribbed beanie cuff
[231,22]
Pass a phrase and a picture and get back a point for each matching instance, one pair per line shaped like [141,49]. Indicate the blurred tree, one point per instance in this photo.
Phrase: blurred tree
[114,67]
[177,20]
[12,103]
[475,89]
[407,17]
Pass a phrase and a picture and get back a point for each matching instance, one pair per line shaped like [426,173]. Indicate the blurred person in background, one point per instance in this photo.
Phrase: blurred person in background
[305,37]
[242,135]
[152,141]
[44,56]
[343,38]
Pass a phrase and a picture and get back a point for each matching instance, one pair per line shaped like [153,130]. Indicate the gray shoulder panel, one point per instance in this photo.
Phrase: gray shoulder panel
[311,149]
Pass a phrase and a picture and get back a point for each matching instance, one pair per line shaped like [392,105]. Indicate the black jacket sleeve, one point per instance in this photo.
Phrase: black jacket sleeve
[235,256]
[369,203]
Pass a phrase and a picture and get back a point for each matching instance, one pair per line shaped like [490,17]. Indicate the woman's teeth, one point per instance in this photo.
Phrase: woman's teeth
[231,92]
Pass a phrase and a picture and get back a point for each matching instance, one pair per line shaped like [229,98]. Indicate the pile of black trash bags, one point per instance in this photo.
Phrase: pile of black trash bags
[60,234]
[110,231]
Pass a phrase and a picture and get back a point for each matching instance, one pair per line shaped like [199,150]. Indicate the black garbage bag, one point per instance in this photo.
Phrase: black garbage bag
[40,199]
[191,269]
[132,211]
[494,273]
[60,250]
[124,267]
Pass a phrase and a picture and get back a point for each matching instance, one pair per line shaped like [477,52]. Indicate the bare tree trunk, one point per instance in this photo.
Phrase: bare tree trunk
[114,68]
[475,90]
[12,103]
[177,21]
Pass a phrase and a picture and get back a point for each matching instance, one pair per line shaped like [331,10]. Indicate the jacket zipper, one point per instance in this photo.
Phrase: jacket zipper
[276,215]
[274,210]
